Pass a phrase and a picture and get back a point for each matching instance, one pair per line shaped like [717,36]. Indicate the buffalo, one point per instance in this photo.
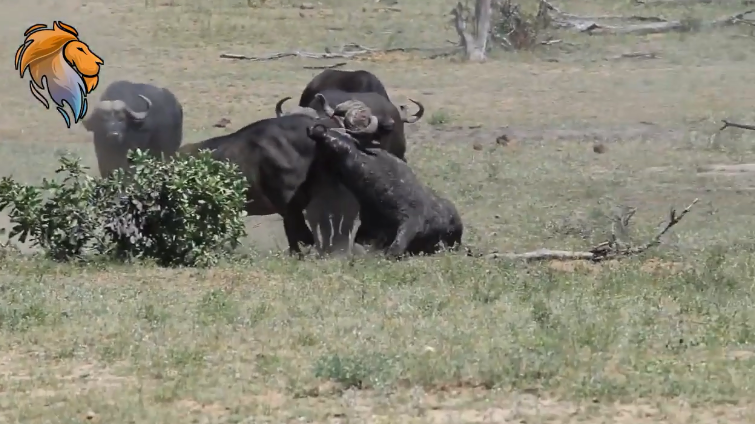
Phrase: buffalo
[277,158]
[133,116]
[333,210]
[398,213]
[359,81]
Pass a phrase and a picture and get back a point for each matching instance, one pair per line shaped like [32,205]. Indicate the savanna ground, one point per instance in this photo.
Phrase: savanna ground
[664,337]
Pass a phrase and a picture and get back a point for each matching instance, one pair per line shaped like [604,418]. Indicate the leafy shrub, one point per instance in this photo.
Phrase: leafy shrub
[184,211]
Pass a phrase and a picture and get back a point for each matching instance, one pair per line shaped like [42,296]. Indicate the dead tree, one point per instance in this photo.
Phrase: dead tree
[475,44]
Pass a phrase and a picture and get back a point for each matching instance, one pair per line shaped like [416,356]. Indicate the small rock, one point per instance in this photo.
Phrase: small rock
[477,146]
[222,123]
[307,6]
[599,148]
[503,140]
[90,415]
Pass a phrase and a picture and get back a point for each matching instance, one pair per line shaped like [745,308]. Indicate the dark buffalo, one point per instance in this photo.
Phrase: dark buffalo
[130,116]
[276,157]
[350,81]
[333,210]
[398,213]
[390,132]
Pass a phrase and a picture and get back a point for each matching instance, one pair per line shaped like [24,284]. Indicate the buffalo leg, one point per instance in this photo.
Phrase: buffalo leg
[296,231]
[290,205]
[369,234]
[405,234]
[331,205]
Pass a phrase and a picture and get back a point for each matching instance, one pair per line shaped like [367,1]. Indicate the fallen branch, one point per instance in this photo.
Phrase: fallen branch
[347,51]
[680,2]
[728,124]
[563,14]
[650,25]
[333,66]
[604,251]
[636,55]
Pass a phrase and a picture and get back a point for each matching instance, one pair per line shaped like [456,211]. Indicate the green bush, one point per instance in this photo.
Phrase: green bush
[185,211]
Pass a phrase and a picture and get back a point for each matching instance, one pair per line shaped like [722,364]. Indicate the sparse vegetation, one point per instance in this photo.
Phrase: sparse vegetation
[439,117]
[662,337]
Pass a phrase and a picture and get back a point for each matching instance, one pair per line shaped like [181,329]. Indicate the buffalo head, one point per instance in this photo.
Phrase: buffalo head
[352,115]
[114,117]
[357,117]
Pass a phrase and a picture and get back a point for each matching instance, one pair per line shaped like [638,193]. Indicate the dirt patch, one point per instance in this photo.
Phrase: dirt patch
[742,169]
[651,266]
[597,134]
[193,407]
[658,266]
[570,267]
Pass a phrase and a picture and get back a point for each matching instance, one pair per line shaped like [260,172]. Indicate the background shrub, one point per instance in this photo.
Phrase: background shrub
[185,211]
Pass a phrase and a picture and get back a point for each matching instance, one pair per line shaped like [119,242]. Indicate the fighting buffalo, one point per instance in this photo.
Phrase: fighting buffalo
[359,81]
[399,215]
[277,158]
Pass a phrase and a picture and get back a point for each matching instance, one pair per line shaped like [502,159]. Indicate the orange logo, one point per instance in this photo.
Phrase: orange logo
[61,64]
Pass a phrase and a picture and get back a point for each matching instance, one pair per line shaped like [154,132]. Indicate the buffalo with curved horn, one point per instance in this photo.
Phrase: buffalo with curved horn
[134,116]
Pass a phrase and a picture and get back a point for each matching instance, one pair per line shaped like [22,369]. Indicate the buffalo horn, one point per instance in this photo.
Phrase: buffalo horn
[324,105]
[416,117]
[279,106]
[138,116]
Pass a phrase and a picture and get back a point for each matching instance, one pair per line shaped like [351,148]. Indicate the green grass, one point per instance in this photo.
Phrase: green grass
[153,337]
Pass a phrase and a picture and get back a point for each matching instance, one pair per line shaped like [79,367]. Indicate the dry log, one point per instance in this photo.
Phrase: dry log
[604,251]
[685,2]
[650,25]
[636,55]
[347,51]
[333,66]
[638,29]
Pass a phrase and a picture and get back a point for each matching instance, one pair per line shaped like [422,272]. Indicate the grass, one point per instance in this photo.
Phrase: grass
[663,337]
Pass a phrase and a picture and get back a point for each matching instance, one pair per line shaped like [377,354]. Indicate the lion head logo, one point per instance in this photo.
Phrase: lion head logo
[56,58]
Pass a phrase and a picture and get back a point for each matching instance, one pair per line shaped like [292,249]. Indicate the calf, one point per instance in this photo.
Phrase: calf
[398,214]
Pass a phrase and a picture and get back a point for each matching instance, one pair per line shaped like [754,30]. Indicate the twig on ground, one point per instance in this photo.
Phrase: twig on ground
[335,65]
[603,251]
[728,124]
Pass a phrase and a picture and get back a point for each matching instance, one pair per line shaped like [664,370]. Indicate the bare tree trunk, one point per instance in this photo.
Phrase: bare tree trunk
[476,43]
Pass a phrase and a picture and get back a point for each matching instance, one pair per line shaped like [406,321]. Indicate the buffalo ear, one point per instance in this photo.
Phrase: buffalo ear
[89,122]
